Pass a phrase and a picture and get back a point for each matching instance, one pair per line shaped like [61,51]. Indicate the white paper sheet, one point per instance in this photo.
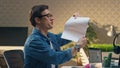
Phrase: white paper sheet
[75,28]
[84,58]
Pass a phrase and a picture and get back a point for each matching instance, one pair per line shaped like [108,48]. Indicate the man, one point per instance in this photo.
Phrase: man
[42,48]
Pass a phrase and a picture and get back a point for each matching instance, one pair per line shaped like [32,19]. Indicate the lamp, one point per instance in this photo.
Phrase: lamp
[111,31]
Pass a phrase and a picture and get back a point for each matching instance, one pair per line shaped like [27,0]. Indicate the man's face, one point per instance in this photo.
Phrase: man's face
[46,21]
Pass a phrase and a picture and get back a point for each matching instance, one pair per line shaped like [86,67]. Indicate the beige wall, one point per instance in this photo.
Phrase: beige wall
[103,13]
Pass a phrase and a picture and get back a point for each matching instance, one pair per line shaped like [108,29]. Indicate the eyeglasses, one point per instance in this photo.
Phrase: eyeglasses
[48,15]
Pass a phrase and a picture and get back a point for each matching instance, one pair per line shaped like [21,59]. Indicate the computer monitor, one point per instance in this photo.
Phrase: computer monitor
[95,55]
[13,36]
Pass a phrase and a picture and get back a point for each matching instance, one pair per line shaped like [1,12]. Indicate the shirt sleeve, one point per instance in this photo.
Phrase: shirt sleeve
[44,53]
[61,41]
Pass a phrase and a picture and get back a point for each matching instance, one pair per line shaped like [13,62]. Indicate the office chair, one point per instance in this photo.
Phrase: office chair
[14,58]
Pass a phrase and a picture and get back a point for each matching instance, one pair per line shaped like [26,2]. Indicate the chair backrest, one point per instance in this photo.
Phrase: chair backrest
[95,55]
[14,58]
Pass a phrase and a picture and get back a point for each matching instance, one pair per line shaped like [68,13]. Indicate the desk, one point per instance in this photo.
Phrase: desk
[3,48]
[91,65]
[72,67]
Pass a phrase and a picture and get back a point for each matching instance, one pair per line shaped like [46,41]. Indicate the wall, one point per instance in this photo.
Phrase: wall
[103,13]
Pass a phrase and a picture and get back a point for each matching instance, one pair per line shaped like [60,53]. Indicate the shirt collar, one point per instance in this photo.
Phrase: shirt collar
[36,31]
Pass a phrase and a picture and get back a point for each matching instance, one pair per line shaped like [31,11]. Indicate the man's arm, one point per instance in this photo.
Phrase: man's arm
[62,41]
[42,52]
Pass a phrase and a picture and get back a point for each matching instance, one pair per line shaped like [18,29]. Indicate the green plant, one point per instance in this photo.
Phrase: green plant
[103,47]
[91,34]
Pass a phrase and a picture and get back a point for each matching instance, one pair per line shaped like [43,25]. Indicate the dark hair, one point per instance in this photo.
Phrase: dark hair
[36,12]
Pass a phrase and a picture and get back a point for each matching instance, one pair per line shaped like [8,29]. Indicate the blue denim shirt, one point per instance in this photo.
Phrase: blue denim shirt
[38,53]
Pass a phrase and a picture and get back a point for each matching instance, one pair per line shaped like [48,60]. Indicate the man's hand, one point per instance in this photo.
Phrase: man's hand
[82,42]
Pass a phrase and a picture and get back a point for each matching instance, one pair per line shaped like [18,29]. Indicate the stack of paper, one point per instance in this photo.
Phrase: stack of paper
[75,28]
[84,58]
